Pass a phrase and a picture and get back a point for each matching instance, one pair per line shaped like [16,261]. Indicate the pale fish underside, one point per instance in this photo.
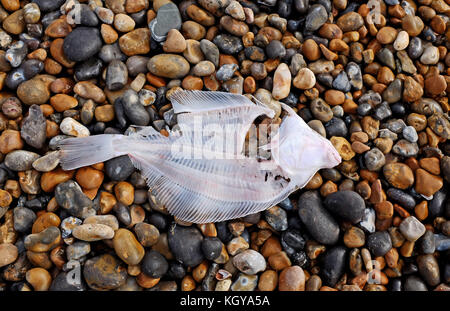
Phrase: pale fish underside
[203,190]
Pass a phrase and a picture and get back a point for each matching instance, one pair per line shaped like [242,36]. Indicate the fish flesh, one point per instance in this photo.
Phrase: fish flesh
[202,171]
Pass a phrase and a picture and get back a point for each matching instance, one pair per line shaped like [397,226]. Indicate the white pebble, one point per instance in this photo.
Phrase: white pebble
[402,41]
[72,127]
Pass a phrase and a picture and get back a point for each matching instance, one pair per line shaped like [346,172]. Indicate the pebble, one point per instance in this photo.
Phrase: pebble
[8,254]
[350,21]
[33,130]
[127,247]
[281,82]
[20,160]
[228,44]
[82,43]
[249,262]
[147,234]
[133,109]
[119,169]
[316,17]
[430,55]
[71,127]
[245,282]
[226,72]
[319,223]
[212,248]
[210,50]
[70,197]
[185,243]
[175,42]
[379,243]
[78,250]
[404,199]
[354,237]
[305,79]
[93,232]
[347,204]
[426,183]
[333,265]
[374,159]
[43,241]
[292,279]
[23,219]
[104,272]
[399,175]
[168,66]
[429,269]
[276,217]
[168,17]
[39,278]
[414,283]
[33,92]
[135,42]
[154,264]
[401,41]
[412,229]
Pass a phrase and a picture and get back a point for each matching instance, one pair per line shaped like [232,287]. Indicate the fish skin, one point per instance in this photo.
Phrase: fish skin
[228,186]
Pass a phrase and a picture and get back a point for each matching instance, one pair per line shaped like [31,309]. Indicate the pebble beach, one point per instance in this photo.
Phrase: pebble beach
[373,77]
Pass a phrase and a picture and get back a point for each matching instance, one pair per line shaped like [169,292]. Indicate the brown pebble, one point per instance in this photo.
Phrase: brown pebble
[292,279]
[39,278]
[279,261]
[8,254]
[268,280]
[124,192]
[421,210]
[44,221]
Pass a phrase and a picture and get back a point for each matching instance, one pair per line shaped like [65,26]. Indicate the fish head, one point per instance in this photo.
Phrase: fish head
[301,151]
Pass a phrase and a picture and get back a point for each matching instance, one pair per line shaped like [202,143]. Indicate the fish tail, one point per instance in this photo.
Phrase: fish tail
[85,151]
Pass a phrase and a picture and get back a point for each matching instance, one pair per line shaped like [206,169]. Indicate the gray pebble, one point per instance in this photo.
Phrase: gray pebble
[34,128]
[20,160]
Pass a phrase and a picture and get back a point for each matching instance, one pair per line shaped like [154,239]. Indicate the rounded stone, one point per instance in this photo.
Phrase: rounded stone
[249,262]
[168,66]
[292,279]
[104,272]
[347,204]
[82,43]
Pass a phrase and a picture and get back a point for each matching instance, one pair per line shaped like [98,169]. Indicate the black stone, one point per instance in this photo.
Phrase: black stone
[186,245]
[437,205]
[336,127]
[176,271]
[154,264]
[319,223]
[49,5]
[275,49]
[379,243]
[82,43]
[347,204]
[119,169]
[88,69]
[415,283]
[401,197]
[23,219]
[63,283]
[333,267]
[228,44]
[211,247]
[276,217]
[133,109]
[427,244]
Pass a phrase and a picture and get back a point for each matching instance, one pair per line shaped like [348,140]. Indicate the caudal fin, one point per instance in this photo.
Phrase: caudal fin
[85,151]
